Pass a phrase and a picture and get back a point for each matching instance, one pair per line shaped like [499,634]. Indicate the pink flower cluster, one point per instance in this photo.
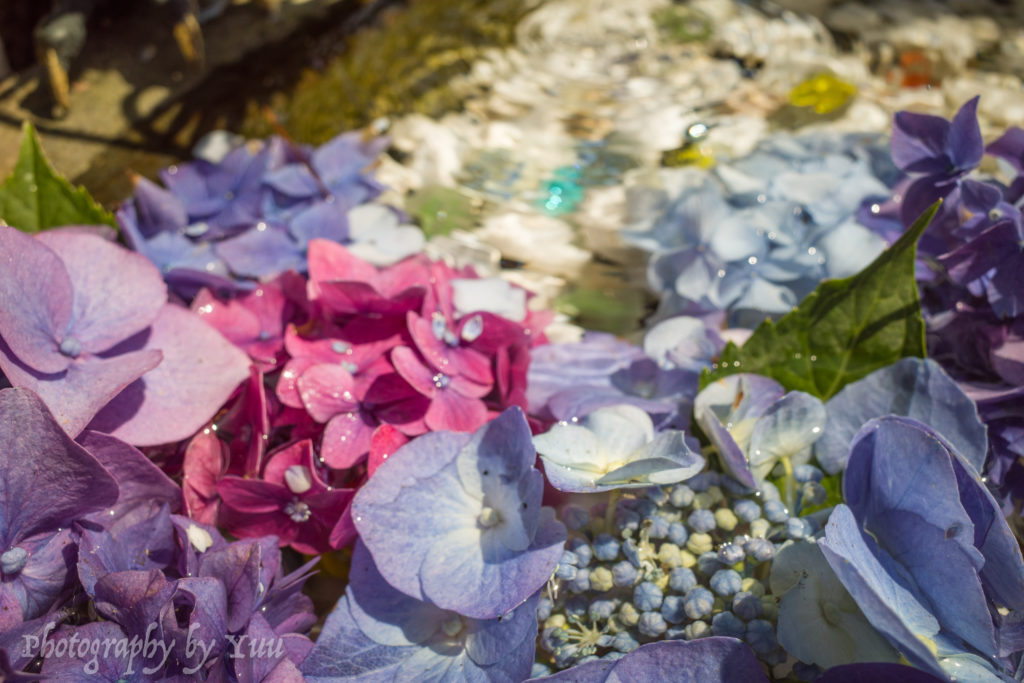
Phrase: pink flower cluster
[347,367]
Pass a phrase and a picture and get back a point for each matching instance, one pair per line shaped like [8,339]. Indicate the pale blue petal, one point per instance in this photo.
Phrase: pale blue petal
[888,605]
[819,622]
[912,387]
[788,429]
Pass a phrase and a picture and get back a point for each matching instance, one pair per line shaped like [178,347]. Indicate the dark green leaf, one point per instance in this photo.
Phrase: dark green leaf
[844,329]
[35,197]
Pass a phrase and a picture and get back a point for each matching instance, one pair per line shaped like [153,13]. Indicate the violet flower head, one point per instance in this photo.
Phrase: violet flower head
[456,519]
[940,151]
[48,481]
[98,342]
[715,659]
[573,379]
[376,633]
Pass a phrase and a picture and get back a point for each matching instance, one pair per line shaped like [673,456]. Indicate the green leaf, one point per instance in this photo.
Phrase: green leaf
[35,197]
[845,329]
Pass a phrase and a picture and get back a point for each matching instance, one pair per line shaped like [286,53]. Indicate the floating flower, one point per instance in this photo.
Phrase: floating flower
[291,501]
[819,622]
[918,520]
[376,632]
[728,410]
[943,151]
[38,504]
[912,387]
[456,519]
[614,447]
[707,660]
[99,342]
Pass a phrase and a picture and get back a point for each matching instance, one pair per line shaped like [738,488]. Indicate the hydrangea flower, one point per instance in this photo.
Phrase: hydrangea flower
[149,572]
[708,660]
[728,410]
[819,622]
[252,214]
[378,237]
[37,507]
[665,563]
[917,520]
[614,447]
[377,633]
[940,152]
[575,378]
[456,519]
[99,343]
[757,236]
[290,500]
[912,387]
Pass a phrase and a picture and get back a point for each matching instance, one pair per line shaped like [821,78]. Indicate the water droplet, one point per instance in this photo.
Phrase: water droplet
[752,260]
[197,229]
[339,346]
[875,208]
[473,328]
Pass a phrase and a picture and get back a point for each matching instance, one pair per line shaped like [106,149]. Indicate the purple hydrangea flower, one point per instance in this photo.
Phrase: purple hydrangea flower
[98,343]
[940,151]
[572,379]
[715,659]
[39,499]
[376,633]
[456,519]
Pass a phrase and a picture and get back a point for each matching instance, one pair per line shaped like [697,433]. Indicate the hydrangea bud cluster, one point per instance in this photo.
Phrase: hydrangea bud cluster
[676,562]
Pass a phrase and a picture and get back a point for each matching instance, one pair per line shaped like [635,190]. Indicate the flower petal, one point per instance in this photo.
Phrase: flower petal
[34,311]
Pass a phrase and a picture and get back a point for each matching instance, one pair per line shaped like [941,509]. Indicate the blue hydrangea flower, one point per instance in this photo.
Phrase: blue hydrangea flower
[456,519]
[376,633]
[708,660]
[763,230]
[614,447]
[918,521]
[819,622]
[912,387]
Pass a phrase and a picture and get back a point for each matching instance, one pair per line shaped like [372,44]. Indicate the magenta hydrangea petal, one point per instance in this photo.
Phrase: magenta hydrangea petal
[117,293]
[413,371]
[346,440]
[34,311]
[199,372]
[205,463]
[329,261]
[326,390]
[451,410]
[37,498]
[77,394]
